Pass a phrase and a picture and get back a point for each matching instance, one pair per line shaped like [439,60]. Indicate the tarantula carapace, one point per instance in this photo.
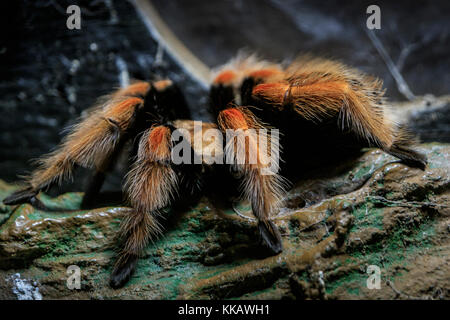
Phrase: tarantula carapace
[323,110]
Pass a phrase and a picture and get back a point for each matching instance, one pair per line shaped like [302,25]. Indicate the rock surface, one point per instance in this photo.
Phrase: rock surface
[373,212]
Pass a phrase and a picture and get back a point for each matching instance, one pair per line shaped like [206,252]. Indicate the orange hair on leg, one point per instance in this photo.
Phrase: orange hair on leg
[150,185]
[225,77]
[264,189]
[137,89]
[89,144]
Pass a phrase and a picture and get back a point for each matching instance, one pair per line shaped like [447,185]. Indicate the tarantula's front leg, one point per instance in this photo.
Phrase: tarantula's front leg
[261,184]
[90,144]
[150,185]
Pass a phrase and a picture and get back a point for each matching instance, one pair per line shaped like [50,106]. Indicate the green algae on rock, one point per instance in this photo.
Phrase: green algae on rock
[374,211]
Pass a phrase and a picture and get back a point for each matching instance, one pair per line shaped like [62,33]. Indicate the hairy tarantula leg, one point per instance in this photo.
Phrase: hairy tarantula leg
[168,101]
[249,154]
[90,143]
[137,89]
[357,108]
[270,235]
[222,91]
[150,185]
[402,148]
[20,196]
[93,188]
[98,178]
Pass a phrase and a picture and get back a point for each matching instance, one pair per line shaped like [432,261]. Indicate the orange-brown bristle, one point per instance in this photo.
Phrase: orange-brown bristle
[157,135]
[327,88]
[275,92]
[158,141]
[264,73]
[124,106]
[136,89]
[162,84]
[234,118]
[225,77]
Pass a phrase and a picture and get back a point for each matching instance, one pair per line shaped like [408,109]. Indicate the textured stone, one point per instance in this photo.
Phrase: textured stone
[374,211]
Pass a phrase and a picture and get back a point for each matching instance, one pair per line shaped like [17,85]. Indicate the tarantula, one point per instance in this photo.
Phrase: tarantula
[322,108]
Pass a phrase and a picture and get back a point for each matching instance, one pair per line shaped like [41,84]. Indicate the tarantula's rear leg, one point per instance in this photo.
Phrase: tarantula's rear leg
[150,185]
[403,148]
[356,100]
[249,153]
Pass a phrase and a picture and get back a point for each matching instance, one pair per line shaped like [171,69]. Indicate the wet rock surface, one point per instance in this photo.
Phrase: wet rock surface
[372,212]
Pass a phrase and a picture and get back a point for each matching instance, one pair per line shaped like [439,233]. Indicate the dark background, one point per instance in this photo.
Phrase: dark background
[49,74]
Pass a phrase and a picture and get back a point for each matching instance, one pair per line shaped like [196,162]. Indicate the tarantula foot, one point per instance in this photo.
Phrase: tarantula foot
[418,160]
[21,196]
[123,271]
[270,236]
[420,164]
[409,156]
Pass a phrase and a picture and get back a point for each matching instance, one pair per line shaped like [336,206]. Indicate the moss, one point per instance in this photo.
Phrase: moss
[352,281]
[363,172]
[397,246]
[68,201]
[367,216]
